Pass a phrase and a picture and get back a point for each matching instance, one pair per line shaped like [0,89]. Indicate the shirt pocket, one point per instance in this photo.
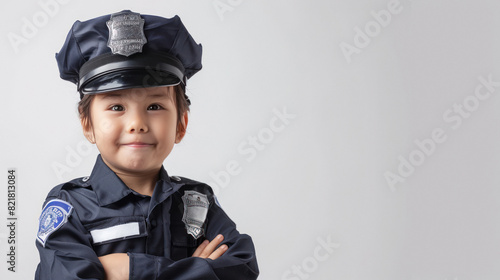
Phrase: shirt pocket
[183,244]
[118,235]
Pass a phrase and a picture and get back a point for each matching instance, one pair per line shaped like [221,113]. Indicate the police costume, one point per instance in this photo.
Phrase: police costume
[98,215]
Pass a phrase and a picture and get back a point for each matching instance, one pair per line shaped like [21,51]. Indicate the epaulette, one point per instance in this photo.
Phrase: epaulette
[189,184]
[75,183]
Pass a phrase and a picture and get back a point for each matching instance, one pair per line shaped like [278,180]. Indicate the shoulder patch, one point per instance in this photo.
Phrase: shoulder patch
[54,215]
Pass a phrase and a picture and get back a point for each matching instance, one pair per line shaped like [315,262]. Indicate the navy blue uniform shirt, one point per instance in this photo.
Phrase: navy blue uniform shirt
[99,215]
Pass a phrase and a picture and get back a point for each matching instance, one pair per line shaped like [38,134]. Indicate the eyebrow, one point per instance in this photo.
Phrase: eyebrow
[158,95]
[111,95]
[152,95]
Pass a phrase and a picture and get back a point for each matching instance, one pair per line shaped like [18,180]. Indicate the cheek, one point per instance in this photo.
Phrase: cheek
[168,134]
[166,130]
[105,128]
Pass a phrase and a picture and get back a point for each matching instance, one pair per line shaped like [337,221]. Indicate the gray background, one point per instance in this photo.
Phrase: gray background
[319,176]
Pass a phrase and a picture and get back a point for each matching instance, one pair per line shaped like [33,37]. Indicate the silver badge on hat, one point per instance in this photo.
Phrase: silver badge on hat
[195,212]
[126,33]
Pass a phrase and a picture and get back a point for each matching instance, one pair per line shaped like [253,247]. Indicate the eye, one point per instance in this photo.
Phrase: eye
[116,108]
[154,107]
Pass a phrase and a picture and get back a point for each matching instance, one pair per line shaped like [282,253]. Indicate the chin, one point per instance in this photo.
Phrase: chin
[140,165]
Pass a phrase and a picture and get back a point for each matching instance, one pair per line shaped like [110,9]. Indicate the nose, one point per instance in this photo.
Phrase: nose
[137,123]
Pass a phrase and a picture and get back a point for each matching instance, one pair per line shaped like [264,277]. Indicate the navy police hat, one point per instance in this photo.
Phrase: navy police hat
[128,50]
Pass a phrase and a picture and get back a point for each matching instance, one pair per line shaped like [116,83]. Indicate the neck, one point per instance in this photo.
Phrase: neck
[141,183]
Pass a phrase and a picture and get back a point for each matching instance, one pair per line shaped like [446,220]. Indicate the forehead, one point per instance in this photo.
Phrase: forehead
[139,94]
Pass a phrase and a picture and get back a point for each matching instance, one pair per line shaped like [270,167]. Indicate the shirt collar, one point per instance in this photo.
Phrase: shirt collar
[109,188]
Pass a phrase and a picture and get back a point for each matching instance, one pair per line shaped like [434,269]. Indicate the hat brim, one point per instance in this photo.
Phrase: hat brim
[124,79]
[115,72]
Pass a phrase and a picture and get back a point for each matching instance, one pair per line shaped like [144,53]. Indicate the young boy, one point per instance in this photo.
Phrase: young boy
[129,219]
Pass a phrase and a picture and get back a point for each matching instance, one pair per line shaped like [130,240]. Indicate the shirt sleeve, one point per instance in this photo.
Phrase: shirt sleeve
[238,262]
[67,253]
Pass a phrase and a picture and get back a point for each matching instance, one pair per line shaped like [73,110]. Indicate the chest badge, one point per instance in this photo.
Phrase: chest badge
[54,215]
[195,212]
[126,33]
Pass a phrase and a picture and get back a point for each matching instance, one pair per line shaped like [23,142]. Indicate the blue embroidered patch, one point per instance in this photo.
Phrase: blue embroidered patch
[54,215]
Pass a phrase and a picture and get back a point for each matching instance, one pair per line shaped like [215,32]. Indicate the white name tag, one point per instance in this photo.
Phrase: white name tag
[115,232]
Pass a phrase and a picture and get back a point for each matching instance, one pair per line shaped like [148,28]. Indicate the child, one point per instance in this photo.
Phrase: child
[129,219]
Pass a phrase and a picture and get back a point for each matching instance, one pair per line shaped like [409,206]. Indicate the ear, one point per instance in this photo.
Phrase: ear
[181,128]
[88,132]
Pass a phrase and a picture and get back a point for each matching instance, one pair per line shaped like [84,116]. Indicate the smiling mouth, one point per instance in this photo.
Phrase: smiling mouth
[138,145]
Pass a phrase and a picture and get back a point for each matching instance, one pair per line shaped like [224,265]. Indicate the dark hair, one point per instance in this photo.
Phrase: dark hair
[181,103]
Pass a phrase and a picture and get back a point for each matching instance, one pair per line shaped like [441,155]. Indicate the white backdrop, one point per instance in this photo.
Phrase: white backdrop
[351,139]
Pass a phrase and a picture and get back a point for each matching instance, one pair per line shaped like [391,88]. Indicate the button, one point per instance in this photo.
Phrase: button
[85,179]
[150,225]
[175,178]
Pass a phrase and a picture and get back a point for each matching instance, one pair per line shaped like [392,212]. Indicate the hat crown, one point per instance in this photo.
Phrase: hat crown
[131,35]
